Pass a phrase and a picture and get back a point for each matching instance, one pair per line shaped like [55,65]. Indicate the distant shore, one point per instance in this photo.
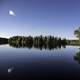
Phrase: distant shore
[39,40]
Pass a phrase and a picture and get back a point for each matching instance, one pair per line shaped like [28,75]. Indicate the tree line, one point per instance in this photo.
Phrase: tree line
[3,40]
[37,41]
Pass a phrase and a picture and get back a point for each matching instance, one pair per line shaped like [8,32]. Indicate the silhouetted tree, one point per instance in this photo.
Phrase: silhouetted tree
[77,33]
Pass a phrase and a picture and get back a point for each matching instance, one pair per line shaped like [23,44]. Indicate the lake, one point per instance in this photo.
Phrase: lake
[27,64]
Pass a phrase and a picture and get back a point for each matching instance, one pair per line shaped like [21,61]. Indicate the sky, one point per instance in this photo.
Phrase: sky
[58,18]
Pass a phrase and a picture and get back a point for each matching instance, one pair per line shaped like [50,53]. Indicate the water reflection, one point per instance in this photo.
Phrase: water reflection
[77,57]
[10,69]
[49,47]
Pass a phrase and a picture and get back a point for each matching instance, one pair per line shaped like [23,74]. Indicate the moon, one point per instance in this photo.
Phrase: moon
[12,13]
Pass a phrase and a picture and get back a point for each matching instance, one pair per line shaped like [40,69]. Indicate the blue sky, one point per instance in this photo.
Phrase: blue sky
[35,17]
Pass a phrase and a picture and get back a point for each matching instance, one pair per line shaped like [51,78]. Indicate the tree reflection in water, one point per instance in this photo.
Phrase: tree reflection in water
[49,47]
[77,57]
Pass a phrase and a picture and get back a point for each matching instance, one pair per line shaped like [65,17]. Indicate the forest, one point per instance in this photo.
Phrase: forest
[37,41]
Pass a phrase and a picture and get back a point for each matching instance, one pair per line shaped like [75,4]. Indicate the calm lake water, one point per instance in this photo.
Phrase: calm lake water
[25,64]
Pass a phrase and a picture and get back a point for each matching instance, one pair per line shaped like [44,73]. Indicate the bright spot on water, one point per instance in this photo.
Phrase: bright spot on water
[10,70]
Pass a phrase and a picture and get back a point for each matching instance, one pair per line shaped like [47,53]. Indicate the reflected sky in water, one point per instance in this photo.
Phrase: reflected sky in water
[24,62]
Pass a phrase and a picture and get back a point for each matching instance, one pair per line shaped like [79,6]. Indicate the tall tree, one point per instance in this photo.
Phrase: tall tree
[77,33]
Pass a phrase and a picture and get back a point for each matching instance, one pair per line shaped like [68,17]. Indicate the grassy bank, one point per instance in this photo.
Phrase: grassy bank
[73,42]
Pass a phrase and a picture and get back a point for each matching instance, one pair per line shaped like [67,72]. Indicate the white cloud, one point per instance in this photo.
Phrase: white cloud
[12,13]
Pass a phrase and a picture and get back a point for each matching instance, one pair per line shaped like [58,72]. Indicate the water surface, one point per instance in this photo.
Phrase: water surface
[24,63]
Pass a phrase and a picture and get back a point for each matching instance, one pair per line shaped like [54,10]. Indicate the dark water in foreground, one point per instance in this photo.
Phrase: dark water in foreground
[35,64]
